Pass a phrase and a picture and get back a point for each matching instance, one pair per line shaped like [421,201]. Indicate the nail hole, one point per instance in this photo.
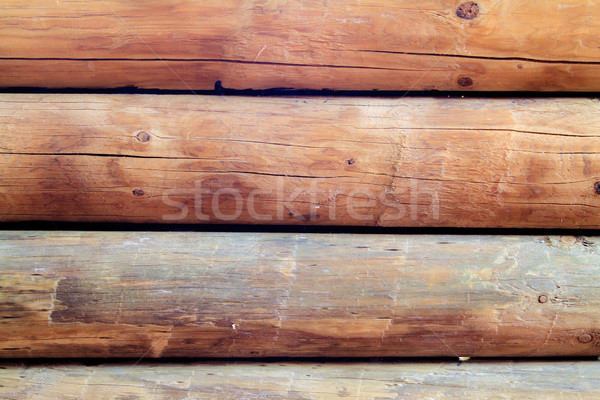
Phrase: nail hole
[138,192]
[597,187]
[468,10]
[543,298]
[143,136]
[351,161]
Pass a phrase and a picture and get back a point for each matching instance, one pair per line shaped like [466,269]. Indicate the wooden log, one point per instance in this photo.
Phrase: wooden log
[139,294]
[309,380]
[548,45]
[527,163]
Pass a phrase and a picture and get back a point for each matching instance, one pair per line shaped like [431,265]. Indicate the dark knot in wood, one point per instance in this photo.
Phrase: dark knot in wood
[467,10]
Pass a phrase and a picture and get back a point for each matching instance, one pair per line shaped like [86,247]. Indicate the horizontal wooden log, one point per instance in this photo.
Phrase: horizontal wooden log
[288,380]
[315,44]
[111,294]
[527,163]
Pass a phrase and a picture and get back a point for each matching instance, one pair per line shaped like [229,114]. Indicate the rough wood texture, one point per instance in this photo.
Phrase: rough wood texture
[292,380]
[336,44]
[342,161]
[81,294]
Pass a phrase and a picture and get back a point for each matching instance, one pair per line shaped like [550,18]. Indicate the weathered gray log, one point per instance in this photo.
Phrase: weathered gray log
[292,380]
[111,294]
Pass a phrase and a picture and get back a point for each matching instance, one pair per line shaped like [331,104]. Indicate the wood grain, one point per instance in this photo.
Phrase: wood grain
[539,45]
[289,380]
[140,294]
[527,163]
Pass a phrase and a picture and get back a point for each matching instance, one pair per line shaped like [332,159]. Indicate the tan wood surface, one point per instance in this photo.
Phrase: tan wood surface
[142,294]
[292,380]
[527,163]
[538,45]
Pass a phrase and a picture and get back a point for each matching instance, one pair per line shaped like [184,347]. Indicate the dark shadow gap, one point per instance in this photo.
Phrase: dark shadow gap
[220,90]
[271,360]
[156,227]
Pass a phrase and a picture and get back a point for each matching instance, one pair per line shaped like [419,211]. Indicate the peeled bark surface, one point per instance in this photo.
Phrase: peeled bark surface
[292,380]
[538,45]
[522,163]
[144,294]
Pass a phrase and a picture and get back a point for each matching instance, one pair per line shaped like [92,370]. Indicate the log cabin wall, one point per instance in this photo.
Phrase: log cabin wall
[295,146]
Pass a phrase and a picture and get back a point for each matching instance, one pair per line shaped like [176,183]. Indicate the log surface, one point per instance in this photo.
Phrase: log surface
[538,45]
[292,380]
[140,294]
[527,163]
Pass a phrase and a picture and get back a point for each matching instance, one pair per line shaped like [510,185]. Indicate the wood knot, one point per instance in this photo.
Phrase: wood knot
[138,192]
[467,10]
[465,81]
[543,298]
[585,338]
[143,136]
[597,187]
